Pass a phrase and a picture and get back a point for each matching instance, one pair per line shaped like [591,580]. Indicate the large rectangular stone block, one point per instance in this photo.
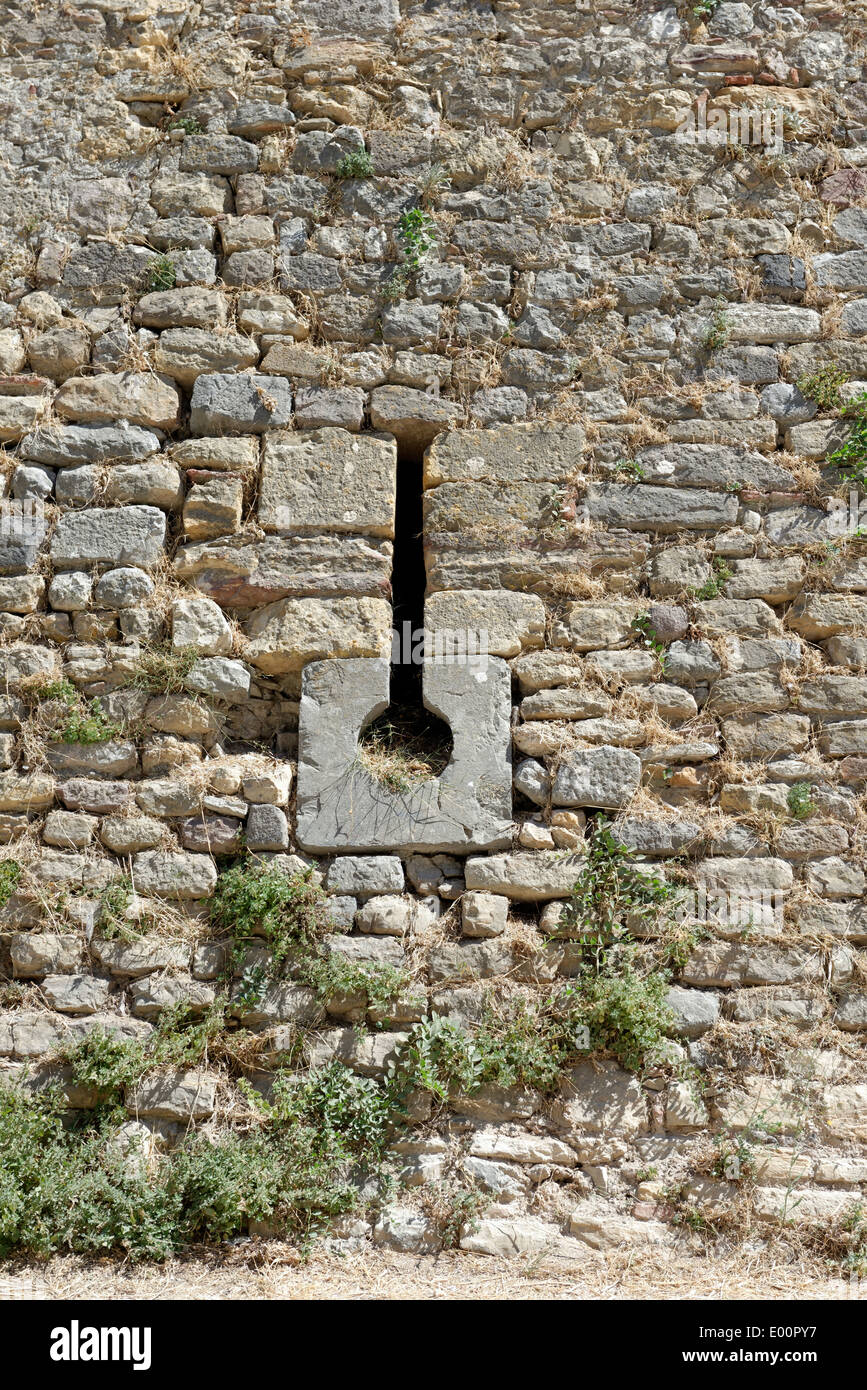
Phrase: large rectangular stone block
[328,480]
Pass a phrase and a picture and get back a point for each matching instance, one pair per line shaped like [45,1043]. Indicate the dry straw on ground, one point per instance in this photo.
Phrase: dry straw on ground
[268,1270]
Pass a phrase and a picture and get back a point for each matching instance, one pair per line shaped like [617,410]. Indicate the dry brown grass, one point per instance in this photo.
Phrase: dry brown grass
[268,1270]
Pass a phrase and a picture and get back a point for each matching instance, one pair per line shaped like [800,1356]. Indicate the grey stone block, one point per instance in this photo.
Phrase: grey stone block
[342,806]
[266,829]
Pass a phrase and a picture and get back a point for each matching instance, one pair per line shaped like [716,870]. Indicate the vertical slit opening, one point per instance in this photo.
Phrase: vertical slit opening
[407,744]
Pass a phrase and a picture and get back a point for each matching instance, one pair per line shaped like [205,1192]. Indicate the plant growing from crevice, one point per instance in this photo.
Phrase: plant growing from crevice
[629,468]
[114,902]
[650,638]
[396,287]
[333,975]
[289,913]
[716,334]
[355,165]
[89,725]
[179,121]
[452,1210]
[255,899]
[851,457]
[713,587]
[435,180]
[416,232]
[823,386]
[619,990]
[111,1067]
[10,874]
[163,669]
[438,1057]
[799,800]
[65,716]
[161,274]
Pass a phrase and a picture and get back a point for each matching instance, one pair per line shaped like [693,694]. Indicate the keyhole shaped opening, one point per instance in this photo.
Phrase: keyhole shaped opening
[407,745]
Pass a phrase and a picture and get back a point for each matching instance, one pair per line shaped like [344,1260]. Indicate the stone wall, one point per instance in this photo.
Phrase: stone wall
[217,353]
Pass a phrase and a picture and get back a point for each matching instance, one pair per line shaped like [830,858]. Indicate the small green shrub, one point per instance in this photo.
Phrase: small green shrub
[800,800]
[89,725]
[161,274]
[112,1066]
[716,335]
[79,1188]
[74,1189]
[629,468]
[619,991]
[452,1209]
[611,897]
[851,457]
[357,165]
[650,638]
[10,873]
[66,717]
[351,1112]
[714,586]
[625,1013]
[256,899]
[438,1057]
[39,690]
[416,230]
[396,287]
[527,1042]
[114,900]
[188,124]
[823,386]
[333,974]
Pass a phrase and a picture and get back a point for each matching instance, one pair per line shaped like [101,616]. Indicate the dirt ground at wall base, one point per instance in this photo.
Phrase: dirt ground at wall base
[269,1270]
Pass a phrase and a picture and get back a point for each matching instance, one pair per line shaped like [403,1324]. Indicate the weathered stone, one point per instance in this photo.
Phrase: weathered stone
[152,995]
[341,805]
[75,994]
[499,623]
[413,417]
[512,453]
[329,481]
[602,777]
[471,960]
[526,877]
[122,536]
[364,876]
[646,508]
[239,574]
[601,1098]
[528,1237]
[199,624]
[266,829]
[483,914]
[41,953]
[594,1224]
[248,403]
[185,353]
[142,398]
[174,875]
[174,1095]
[695,1011]
[288,635]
